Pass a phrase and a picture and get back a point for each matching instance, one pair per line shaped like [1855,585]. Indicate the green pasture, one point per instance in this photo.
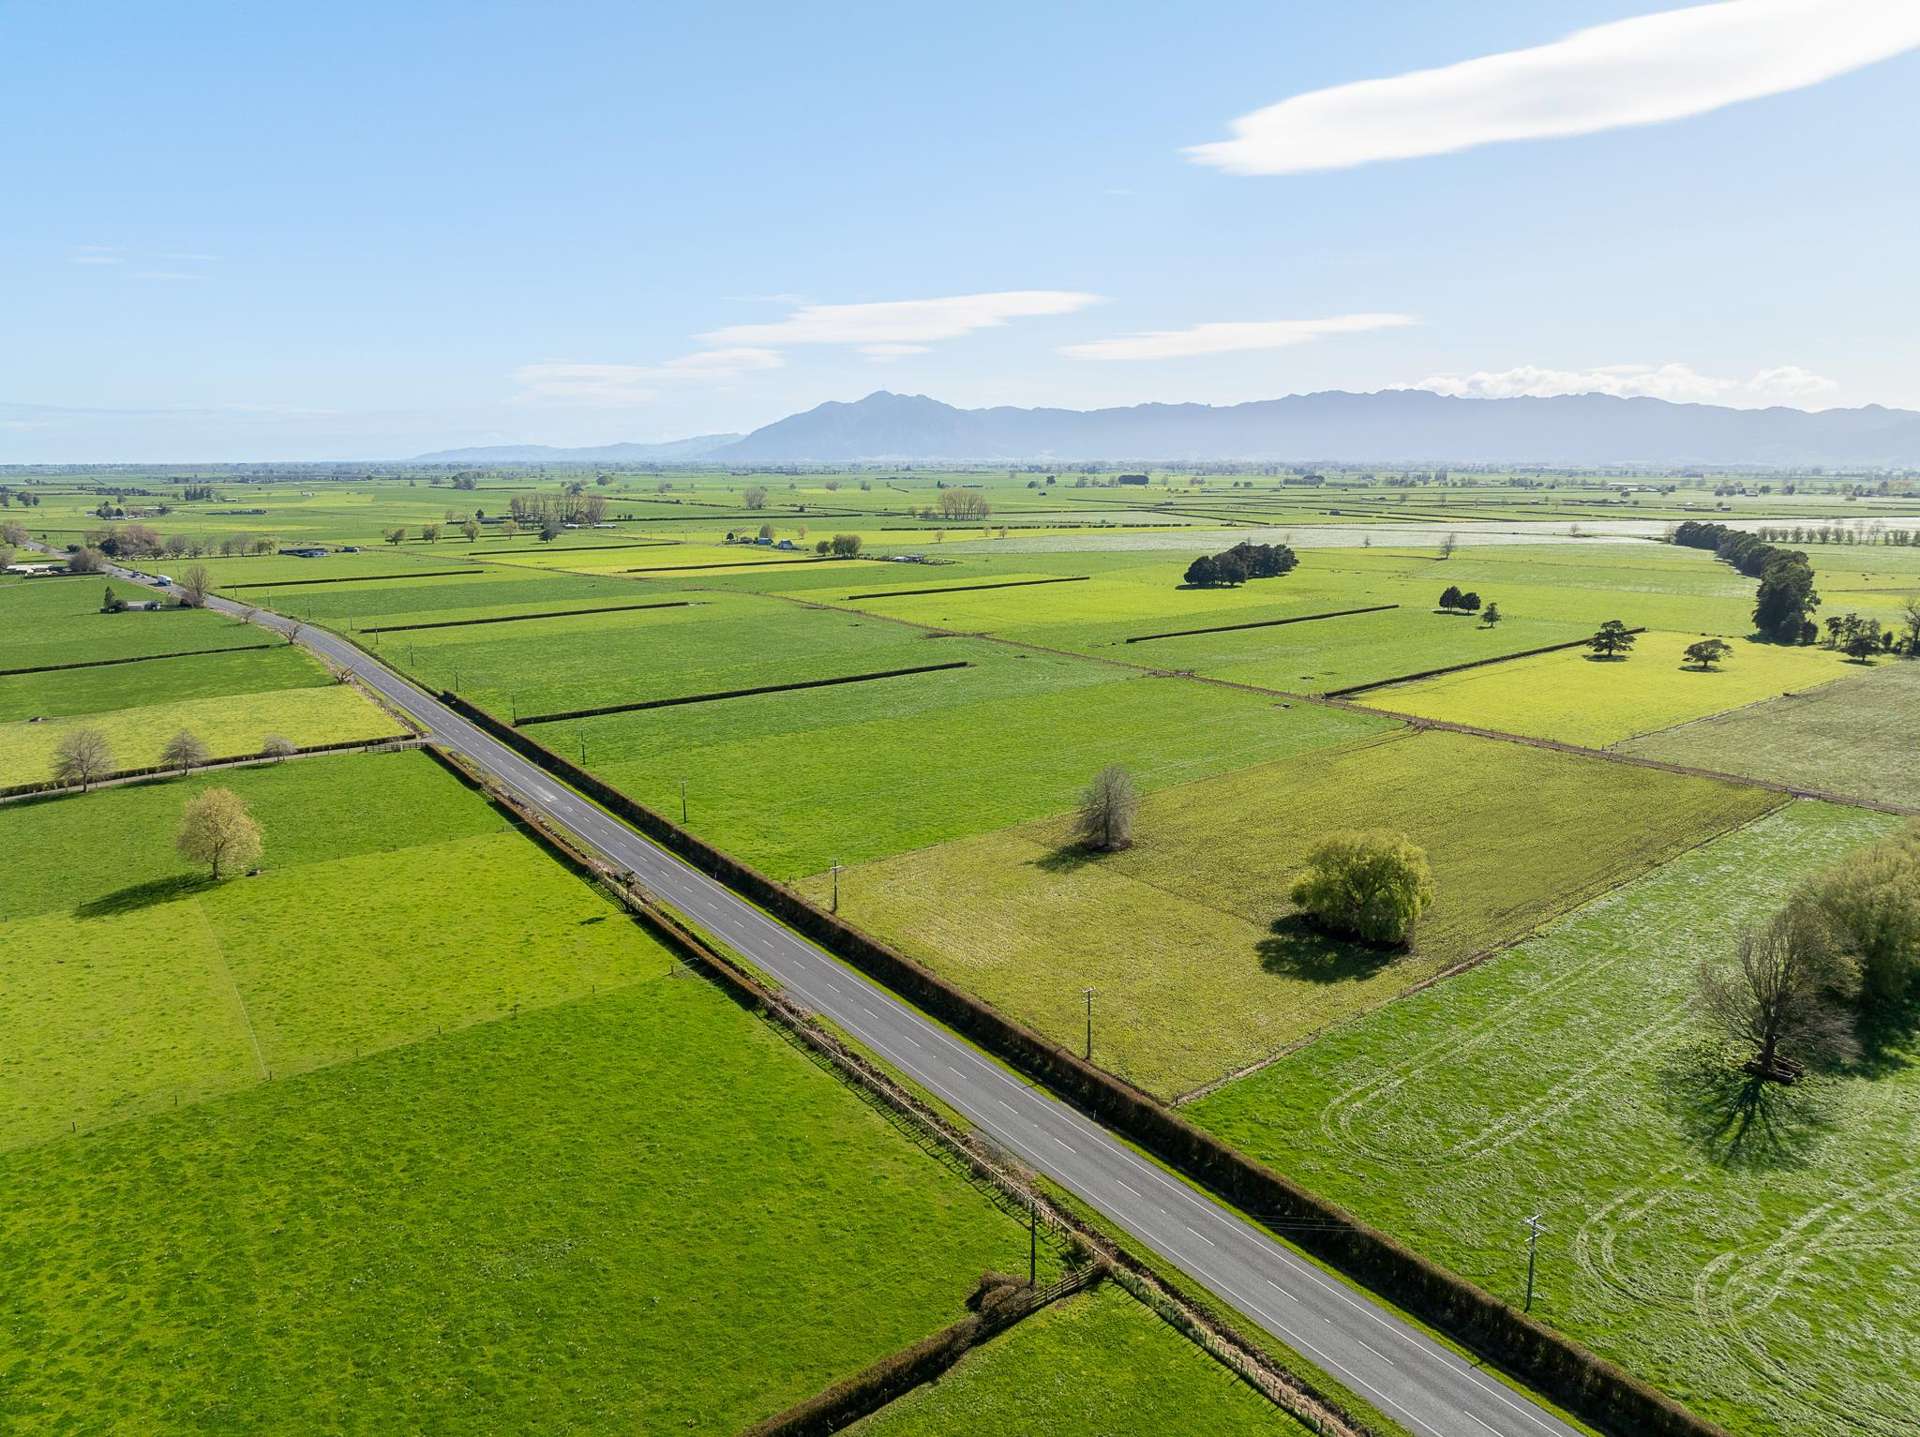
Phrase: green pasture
[230,725]
[1748,1253]
[1858,735]
[1200,964]
[545,1223]
[1578,698]
[267,666]
[58,621]
[1096,1365]
[718,642]
[794,781]
[166,987]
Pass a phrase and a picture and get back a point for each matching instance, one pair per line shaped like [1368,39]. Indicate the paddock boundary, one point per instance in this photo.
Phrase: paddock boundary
[1351,689]
[739,693]
[1261,623]
[519,618]
[132,659]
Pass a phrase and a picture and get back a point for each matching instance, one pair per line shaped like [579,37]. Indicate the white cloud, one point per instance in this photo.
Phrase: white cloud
[1229,338]
[1679,383]
[97,254]
[884,352]
[1642,71]
[622,384]
[904,321]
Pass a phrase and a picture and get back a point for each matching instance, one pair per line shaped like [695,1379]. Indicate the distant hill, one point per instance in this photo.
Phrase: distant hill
[674,451]
[1392,426]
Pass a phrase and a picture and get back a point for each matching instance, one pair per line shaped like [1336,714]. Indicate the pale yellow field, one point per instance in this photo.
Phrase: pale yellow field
[230,725]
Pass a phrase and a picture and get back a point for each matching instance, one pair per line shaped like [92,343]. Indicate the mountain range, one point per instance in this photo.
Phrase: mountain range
[1393,426]
[674,451]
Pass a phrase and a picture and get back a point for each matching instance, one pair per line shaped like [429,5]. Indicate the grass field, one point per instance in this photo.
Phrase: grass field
[229,725]
[1199,966]
[1755,1263]
[198,676]
[545,1224]
[1577,698]
[151,985]
[1096,1365]
[58,621]
[795,781]
[1853,736]
[435,1138]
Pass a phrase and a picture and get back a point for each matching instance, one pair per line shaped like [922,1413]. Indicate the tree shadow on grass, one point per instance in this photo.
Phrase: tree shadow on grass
[1297,947]
[1744,1122]
[1889,1036]
[144,895]
[1068,858]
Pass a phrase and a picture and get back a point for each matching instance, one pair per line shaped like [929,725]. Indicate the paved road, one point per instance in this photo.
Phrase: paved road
[1404,1373]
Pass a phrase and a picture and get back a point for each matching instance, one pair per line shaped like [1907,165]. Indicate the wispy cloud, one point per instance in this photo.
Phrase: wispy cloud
[883,353]
[904,321]
[1232,337]
[166,274]
[98,254]
[1680,383]
[624,384]
[1641,71]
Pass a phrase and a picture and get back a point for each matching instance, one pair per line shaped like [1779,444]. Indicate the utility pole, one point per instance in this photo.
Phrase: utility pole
[836,885]
[1089,993]
[581,734]
[683,802]
[1534,1228]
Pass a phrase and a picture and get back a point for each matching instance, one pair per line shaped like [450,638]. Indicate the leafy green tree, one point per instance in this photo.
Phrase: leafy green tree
[1708,652]
[846,546]
[1450,597]
[1470,601]
[1203,572]
[1612,641]
[1871,901]
[1491,616]
[1374,885]
[397,536]
[1784,603]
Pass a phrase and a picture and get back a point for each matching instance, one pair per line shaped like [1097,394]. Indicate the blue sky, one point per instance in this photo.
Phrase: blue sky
[257,232]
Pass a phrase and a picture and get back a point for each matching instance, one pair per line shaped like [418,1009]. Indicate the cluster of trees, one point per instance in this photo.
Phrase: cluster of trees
[1844,949]
[1242,562]
[138,541]
[10,496]
[840,546]
[1859,639]
[540,510]
[1465,601]
[1783,607]
[956,503]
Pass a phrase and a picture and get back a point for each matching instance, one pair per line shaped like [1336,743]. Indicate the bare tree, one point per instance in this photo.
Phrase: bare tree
[86,561]
[216,829]
[185,752]
[83,757]
[293,630]
[194,585]
[471,528]
[430,532]
[754,498]
[1784,994]
[1107,809]
[1910,616]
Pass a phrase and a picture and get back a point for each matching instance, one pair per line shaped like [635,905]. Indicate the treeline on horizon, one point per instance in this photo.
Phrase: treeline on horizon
[1783,607]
